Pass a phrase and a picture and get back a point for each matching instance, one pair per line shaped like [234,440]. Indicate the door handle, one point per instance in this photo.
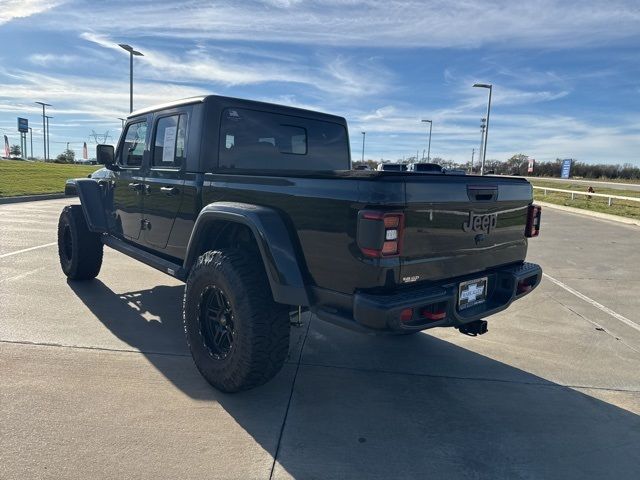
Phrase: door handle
[170,190]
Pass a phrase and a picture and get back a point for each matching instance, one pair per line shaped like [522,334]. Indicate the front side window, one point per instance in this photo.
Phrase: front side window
[134,144]
[169,147]
[252,139]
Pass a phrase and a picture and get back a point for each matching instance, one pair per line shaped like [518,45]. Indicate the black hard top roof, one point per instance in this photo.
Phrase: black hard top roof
[224,102]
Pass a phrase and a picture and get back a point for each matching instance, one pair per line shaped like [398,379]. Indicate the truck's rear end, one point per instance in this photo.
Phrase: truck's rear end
[388,250]
[456,246]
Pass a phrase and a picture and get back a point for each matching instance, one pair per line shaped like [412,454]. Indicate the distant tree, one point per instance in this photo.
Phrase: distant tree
[68,156]
[15,151]
[517,164]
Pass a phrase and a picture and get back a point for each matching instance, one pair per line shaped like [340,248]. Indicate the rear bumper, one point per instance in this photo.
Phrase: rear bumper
[381,312]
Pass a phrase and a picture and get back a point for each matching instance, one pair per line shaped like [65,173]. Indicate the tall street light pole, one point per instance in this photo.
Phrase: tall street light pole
[363,135]
[31,140]
[48,149]
[44,129]
[482,128]
[132,52]
[429,148]
[486,132]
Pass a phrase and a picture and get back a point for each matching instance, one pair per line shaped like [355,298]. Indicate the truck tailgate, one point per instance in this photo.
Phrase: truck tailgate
[458,225]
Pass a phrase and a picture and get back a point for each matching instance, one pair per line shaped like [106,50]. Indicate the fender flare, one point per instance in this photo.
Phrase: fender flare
[273,240]
[91,199]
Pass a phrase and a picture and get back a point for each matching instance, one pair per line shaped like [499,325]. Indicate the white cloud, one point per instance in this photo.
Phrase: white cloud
[51,59]
[372,23]
[12,9]
[338,75]
[394,132]
[94,98]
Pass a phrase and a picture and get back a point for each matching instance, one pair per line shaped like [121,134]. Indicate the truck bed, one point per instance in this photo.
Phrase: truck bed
[322,210]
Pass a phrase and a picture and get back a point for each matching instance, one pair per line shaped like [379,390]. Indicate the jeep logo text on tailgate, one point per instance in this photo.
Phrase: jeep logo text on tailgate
[480,223]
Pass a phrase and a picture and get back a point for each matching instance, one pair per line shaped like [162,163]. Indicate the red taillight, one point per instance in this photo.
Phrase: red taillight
[533,221]
[380,233]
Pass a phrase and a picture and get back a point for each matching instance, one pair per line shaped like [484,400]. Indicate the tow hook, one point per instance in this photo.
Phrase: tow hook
[473,329]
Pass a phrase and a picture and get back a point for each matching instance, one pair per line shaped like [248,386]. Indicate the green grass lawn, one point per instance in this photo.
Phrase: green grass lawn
[619,207]
[582,187]
[33,178]
[623,208]
[596,181]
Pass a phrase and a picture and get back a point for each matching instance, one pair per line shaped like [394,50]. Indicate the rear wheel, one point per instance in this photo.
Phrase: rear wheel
[237,334]
[79,249]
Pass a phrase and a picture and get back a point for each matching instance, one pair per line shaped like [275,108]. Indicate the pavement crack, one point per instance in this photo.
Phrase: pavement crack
[594,323]
[544,383]
[286,413]
[100,349]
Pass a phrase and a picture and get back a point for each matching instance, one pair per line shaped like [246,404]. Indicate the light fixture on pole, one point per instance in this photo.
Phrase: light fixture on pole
[429,148]
[44,129]
[363,135]
[132,52]
[486,132]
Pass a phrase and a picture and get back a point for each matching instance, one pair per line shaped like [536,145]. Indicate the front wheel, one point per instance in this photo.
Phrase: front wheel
[80,250]
[237,334]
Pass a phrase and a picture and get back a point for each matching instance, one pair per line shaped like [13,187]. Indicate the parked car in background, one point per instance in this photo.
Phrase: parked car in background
[392,167]
[424,167]
[99,175]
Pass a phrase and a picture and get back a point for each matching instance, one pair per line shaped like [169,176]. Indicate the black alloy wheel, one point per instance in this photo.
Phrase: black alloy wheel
[216,322]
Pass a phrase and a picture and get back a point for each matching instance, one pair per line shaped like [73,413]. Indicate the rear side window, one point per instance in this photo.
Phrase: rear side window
[251,139]
[134,144]
[168,149]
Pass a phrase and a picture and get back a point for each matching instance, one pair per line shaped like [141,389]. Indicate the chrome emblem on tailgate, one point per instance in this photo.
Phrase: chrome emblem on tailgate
[480,223]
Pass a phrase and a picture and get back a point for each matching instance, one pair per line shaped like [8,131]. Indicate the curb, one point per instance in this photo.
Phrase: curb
[580,211]
[31,198]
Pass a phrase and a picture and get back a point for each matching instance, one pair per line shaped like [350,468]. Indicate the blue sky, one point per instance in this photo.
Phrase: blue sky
[566,75]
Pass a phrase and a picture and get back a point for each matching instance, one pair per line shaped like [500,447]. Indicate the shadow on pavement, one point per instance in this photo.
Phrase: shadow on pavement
[350,422]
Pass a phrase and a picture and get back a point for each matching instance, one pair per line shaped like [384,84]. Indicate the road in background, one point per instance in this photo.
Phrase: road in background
[97,382]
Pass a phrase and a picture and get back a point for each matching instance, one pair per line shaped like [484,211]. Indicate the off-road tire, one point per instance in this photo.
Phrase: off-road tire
[260,325]
[79,249]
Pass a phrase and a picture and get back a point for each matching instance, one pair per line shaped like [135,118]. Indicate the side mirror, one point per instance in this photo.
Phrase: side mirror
[105,155]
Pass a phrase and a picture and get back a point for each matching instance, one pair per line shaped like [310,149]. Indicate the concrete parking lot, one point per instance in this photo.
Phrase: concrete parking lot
[96,380]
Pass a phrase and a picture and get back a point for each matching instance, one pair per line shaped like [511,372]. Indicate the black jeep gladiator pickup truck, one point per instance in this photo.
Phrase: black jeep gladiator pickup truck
[256,208]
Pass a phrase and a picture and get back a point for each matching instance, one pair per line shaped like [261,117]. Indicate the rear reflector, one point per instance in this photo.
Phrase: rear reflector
[534,213]
[526,285]
[434,312]
[439,315]
[406,315]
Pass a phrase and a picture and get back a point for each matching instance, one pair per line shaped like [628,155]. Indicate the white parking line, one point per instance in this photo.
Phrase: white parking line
[4,255]
[590,301]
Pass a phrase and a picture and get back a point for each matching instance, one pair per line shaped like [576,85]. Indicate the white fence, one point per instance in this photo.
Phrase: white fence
[575,192]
